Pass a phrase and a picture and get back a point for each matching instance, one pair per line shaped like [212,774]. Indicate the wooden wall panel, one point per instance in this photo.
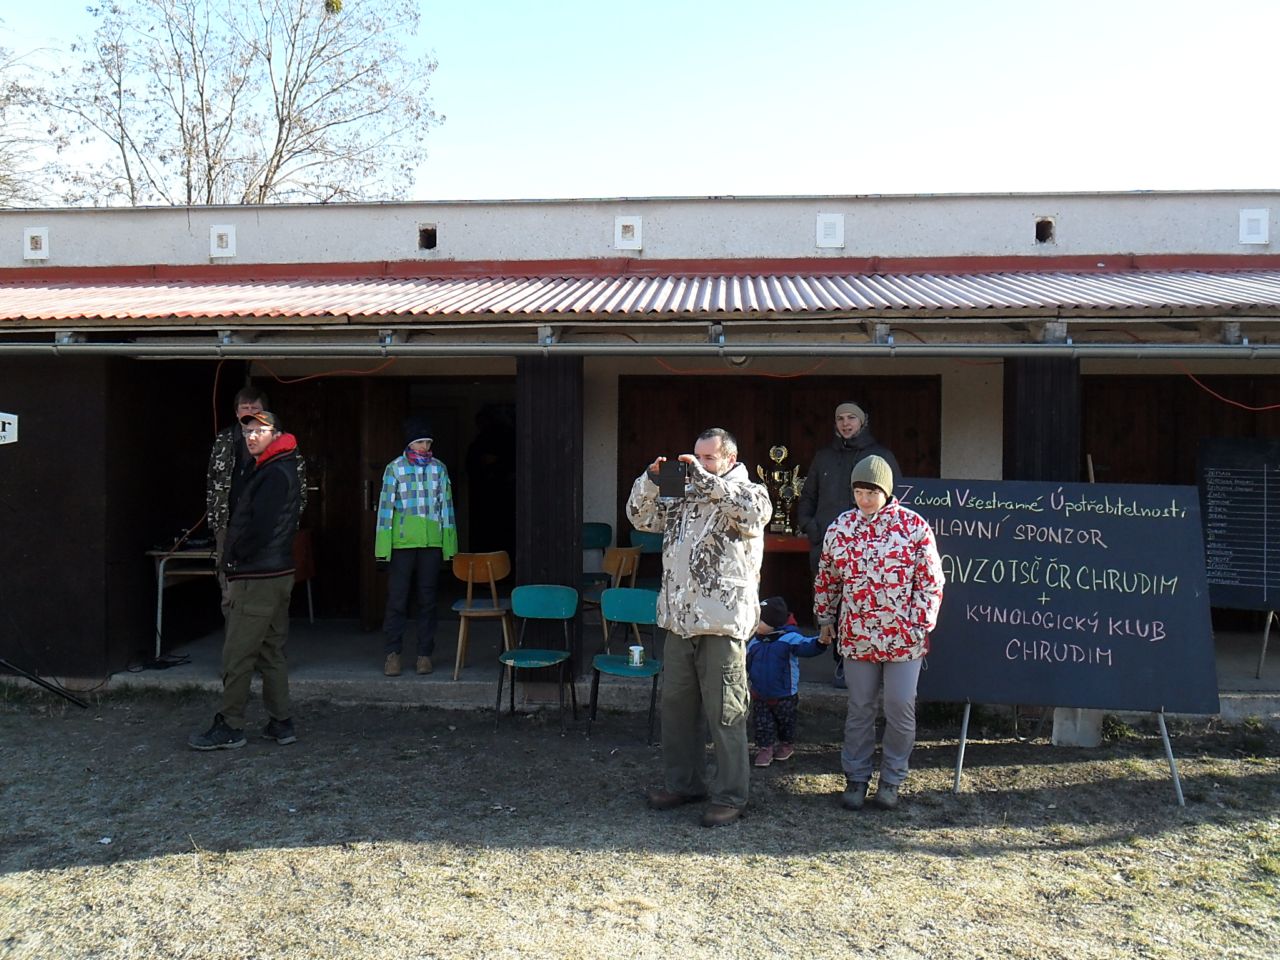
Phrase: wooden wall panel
[1042,417]
[157,437]
[1147,429]
[549,397]
[663,415]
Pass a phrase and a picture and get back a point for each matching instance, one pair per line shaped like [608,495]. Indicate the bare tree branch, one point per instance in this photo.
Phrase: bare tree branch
[243,101]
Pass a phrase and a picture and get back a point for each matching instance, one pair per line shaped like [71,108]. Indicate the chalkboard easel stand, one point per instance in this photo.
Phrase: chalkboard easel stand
[1266,635]
[1164,736]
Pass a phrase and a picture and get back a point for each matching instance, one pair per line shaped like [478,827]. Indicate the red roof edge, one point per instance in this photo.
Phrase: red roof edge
[630,266]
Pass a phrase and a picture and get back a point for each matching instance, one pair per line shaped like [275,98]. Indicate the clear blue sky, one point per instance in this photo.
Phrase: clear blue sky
[589,98]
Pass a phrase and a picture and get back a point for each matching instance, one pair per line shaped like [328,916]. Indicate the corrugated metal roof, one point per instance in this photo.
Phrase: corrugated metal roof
[630,297]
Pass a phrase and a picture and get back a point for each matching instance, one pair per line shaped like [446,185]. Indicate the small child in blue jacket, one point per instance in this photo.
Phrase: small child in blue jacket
[773,672]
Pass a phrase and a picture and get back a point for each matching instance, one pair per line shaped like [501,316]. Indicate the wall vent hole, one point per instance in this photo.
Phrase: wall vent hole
[427,237]
[1044,230]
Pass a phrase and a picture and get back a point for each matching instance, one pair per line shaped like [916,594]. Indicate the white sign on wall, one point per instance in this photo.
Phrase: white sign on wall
[8,428]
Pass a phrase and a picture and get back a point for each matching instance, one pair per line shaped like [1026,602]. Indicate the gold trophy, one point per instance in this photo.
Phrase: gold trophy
[784,487]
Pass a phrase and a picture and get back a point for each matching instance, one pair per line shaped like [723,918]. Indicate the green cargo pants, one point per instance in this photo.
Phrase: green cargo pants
[705,678]
[257,627]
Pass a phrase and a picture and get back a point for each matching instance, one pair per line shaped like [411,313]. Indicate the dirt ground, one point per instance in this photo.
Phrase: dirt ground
[423,833]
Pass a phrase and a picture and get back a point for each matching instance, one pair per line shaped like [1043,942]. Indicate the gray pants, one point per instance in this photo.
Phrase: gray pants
[864,681]
[705,678]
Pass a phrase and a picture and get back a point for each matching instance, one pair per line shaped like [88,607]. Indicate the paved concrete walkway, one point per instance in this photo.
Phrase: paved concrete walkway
[336,661]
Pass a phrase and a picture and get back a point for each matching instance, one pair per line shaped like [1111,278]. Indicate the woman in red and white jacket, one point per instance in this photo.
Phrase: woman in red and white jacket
[880,569]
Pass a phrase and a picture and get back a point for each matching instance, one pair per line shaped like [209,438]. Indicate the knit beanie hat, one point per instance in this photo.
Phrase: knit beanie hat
[774,612]
[875,471]
[416,428]
[850,407]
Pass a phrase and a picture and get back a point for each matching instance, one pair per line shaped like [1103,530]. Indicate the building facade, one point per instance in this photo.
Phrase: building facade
[558,346]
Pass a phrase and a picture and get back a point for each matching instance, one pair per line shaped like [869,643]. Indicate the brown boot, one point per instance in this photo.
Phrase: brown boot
[392,667]
[666,800]
[718,814]
[424,665]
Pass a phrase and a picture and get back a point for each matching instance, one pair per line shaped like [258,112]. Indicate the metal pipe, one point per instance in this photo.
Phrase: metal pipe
[267,351]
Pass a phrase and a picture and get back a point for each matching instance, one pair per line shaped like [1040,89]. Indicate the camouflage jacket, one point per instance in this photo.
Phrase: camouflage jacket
[712,546]
[222,466]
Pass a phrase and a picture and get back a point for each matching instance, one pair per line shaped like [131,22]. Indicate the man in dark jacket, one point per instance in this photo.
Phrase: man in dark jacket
[258,561]
[827,493]
[826,489]
[229,467]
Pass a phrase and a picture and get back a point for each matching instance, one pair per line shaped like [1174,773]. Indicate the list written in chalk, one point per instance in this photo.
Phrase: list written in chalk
[1239,481]
[1069,595]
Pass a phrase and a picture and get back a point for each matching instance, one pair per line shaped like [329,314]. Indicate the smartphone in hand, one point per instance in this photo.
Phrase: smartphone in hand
[671,478]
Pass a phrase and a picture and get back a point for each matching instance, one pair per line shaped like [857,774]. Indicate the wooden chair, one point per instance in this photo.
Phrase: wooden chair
[635,607]
[621,564]
[485,569]
[539,601]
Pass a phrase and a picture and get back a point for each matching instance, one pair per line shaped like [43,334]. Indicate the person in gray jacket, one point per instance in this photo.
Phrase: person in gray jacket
[826,488]
[709,604]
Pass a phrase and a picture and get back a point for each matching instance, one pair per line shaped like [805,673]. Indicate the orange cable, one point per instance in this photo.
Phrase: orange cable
[1227,400]
[327,373]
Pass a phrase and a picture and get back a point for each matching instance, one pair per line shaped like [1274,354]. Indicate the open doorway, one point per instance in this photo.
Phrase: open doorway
[349,430]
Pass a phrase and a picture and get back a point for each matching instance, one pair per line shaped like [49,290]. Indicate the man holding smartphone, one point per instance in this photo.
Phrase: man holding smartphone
[709,604]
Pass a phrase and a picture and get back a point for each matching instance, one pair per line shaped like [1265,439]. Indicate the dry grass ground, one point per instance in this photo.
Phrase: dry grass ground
[422,833]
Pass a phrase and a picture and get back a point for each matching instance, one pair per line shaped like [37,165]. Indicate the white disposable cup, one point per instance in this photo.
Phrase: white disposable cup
[637,656]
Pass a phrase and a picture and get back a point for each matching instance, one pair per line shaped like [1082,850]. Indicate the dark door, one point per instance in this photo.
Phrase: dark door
[663,415]
[386,404]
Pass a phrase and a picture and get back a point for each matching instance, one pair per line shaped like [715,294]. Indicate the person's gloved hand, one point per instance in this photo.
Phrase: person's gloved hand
[228,567]
[382,565]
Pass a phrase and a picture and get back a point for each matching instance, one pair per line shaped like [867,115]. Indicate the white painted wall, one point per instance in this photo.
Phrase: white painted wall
[600,444]
[1102,225]
[972,418]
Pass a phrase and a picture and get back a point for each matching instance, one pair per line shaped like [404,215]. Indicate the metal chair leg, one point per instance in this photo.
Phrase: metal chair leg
[595,697]
[497,704]
[560,690]
[653,703]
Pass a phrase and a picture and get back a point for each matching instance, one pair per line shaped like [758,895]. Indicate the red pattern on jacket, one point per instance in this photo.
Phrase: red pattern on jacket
[885,577]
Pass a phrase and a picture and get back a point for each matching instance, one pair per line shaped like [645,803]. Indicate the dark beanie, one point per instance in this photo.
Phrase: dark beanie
[416,428]
[774,612]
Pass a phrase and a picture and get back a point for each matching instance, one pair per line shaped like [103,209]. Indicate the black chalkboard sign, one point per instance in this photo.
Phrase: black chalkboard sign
[1068,595]
[1239,482]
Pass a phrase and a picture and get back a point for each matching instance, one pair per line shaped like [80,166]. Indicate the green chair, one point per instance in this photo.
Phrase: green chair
[649,543]
[636,608]
[621,564]
[596,537]
[539,601]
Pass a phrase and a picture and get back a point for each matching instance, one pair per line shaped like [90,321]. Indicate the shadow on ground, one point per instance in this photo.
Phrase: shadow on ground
[116,783]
